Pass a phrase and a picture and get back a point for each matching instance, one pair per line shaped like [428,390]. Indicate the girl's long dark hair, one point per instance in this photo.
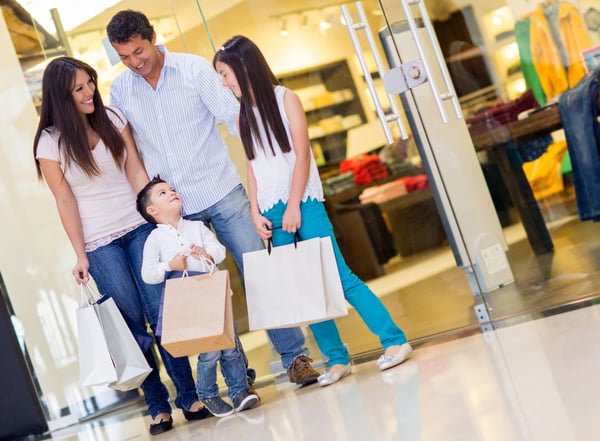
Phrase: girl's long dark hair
[256,81]
[60,112]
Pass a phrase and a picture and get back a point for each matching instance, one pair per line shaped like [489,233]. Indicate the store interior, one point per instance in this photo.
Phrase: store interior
[388,224]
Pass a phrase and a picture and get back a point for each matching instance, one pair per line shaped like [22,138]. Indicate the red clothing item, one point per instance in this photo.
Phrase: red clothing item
[413,183]
[366,169]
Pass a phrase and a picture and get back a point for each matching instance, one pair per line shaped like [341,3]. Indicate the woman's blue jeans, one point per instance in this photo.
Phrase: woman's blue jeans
[315,223]
[231,220]
[116,269]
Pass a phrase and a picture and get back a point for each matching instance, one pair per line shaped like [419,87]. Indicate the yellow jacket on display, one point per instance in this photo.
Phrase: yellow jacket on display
[555,77]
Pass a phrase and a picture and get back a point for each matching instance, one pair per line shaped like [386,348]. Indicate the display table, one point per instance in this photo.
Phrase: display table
[502,142]
[413,218]
[543,121]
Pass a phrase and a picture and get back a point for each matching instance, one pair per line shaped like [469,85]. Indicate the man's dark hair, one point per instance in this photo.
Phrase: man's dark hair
[143,198]
[127,24]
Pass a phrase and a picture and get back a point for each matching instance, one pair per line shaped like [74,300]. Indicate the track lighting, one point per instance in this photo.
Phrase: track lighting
[283,31]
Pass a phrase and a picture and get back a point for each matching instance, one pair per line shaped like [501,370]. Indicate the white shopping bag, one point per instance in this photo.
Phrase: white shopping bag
[102,330]
[293,285]
[95,363]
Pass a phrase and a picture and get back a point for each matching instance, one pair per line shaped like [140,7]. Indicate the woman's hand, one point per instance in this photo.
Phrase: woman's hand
[263,226]
[80,271]
[292,219]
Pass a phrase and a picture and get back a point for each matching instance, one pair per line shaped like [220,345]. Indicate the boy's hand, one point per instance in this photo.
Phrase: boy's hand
[178,263]
[198,253]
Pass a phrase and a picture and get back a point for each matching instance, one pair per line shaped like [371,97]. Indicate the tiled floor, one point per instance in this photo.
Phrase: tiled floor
[538,380]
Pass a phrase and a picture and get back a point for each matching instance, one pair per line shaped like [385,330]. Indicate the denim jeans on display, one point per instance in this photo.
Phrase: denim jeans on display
[116,269]
[233,369]
[315,223]
[231,220]
[578,109]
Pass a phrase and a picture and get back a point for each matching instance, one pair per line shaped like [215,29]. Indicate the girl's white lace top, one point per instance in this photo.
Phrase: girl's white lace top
[274,173]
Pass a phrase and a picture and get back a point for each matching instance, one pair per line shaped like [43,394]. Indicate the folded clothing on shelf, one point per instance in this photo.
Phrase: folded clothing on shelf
[501,114]
[366,168]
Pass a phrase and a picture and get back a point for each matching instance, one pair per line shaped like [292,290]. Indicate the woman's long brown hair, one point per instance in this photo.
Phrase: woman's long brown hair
[60,112]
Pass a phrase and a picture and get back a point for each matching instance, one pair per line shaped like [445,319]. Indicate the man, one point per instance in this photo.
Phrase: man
[172,101]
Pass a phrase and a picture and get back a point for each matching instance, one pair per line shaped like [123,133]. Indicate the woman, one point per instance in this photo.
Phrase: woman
[87,156]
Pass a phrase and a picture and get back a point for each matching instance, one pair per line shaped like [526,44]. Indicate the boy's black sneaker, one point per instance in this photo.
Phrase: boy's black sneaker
[244,400]
[217,406]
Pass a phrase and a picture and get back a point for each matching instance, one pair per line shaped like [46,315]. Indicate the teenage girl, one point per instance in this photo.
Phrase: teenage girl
[286,195]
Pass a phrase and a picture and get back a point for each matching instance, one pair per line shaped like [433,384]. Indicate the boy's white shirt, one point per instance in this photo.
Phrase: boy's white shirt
[165,242]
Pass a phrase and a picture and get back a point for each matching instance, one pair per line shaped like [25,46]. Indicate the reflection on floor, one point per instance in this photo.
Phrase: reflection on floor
[532,381]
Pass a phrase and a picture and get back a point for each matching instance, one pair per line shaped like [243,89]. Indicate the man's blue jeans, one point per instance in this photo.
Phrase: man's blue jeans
[232,223]
[116,269]
[315,223]
[578,109]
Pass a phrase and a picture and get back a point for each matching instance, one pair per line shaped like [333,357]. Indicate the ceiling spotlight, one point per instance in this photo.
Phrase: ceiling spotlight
[325,24]
[304,25]
[283,31]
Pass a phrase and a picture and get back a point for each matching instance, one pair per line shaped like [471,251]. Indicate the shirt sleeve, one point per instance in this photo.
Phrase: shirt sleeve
[47,147]
[117,118]
[212,246]
[219,100]
[153,270]
[115,95]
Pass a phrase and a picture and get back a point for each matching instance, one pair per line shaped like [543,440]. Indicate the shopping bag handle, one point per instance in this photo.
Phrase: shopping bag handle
[89,295]
[270,245]
[207,261]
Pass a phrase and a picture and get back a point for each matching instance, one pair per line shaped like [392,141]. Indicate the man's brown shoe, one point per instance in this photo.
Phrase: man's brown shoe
[301,372]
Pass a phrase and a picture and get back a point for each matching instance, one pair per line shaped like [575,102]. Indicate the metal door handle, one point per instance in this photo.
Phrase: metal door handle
[450,94]
[364,25]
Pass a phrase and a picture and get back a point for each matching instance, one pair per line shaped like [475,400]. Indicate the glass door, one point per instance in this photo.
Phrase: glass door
[472,66]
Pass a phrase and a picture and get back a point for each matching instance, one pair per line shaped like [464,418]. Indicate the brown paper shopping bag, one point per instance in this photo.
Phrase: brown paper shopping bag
[197,314]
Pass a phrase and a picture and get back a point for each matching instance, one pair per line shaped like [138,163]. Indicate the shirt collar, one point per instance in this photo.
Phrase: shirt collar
[168,62]
[169,226]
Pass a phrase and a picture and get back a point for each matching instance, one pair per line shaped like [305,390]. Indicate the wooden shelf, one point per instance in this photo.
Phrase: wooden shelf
[327,92]
[334,132]
[308,109]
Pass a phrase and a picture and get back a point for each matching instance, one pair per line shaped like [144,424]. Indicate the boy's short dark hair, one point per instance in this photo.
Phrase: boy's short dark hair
[127,24]
[143,198]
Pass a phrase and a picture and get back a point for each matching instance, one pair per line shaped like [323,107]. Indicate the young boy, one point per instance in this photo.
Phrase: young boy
[178,244]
